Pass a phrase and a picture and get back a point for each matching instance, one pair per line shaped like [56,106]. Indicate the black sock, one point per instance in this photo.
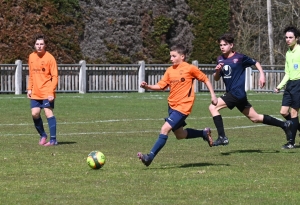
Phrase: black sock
[294,127]
[192,133]
[219,125]
[268,120]
[288,117]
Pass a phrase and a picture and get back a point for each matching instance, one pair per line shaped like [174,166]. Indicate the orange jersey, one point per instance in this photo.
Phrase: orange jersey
[180,79]
[43,73]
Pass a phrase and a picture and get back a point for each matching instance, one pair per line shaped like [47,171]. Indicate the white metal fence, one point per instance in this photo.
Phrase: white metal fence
[85,78]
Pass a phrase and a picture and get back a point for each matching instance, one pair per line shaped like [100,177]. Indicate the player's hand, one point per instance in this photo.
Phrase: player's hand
[219,67]
[214,100]
[276,90]
[262,81]
[143,85]
[29,93]
[50,98]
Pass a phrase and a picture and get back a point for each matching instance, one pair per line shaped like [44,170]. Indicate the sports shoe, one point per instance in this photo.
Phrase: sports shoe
[287,129]
[288,146]
[51,143]
[221,141]
[144,158]
[208,137]
[43,140]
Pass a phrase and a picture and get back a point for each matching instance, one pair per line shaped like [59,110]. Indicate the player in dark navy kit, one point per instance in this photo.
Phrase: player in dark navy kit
[231,67]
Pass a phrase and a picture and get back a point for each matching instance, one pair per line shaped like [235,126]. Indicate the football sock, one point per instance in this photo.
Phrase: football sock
[161,141]
[294,127]
[268,120]
[52,127]
[219,125]
[38,123]
[192,133]
[288,117]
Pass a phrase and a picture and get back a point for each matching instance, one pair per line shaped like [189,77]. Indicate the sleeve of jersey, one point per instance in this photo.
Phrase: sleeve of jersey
[286,77]
[164,81]
[247,62]
[54,77]
[30,83]
[199,75]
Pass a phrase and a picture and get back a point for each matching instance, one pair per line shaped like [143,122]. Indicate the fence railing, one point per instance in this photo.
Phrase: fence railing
[84,78]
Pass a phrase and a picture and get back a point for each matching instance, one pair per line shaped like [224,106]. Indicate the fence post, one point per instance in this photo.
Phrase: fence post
[141,76]
[82,77]
[195,63]
[18,77]
[248,79]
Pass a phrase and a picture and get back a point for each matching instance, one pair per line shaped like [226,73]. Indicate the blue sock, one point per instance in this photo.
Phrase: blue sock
[52,127]
[38,123]
[161,141]
[192,133]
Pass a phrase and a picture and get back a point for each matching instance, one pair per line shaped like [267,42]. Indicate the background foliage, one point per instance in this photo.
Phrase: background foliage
[126,31]
[59,20]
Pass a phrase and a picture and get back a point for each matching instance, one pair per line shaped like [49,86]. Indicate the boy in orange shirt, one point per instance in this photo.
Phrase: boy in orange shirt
[179,78]
[41,88]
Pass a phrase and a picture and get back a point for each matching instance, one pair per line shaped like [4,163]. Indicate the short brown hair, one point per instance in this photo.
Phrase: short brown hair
[227,37]
[40,37]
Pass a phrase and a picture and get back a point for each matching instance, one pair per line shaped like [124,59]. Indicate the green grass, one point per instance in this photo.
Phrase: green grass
[252,169]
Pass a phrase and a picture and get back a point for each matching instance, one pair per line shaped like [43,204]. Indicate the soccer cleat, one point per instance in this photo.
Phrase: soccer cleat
[287,129]
[221,141]
[51,143]
[208,137]
[43,140]
[288,146]
[144,158]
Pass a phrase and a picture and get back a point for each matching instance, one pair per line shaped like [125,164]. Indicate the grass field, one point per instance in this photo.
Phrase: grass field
[252,169]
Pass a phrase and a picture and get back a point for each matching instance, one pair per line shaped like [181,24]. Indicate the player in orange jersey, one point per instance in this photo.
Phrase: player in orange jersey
[41,88]
[179,78]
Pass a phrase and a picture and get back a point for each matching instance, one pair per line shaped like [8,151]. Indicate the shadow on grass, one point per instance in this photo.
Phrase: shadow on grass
[201,165]
[250,151]
[63,143]
[173,166]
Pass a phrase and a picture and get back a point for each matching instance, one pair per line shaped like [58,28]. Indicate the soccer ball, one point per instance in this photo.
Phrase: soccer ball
[96,160]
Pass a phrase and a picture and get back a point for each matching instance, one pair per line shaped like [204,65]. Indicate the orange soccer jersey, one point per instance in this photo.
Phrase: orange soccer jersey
[180,79]
[43,75]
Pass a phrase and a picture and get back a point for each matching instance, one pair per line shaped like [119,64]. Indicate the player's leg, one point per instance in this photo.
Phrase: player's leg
[295,122]
[268,120]
[37,120]
[158,145]
[190,133]
[217,118]
[51,122]
[173,122]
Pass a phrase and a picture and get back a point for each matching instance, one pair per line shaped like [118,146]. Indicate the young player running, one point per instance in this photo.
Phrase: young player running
[231,67]
[41,88]
[179,78]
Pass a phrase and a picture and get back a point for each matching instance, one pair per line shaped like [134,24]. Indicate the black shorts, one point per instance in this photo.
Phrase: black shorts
[291,95]
[231,102]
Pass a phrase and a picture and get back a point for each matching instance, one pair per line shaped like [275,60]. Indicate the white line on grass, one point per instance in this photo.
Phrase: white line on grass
[129,132]
[125,120]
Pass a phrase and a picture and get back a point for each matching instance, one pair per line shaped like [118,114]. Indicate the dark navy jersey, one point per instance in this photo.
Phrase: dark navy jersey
[233,73]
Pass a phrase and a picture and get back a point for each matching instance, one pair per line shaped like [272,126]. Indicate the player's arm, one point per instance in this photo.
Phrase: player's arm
[214,99]
[218,69]
[262,79]
[30,81]
[150,87]
[54,79]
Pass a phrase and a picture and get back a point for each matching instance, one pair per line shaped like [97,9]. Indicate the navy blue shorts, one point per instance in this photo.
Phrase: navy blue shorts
[291,95]
[231,102]
[176,119]
[41,103]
